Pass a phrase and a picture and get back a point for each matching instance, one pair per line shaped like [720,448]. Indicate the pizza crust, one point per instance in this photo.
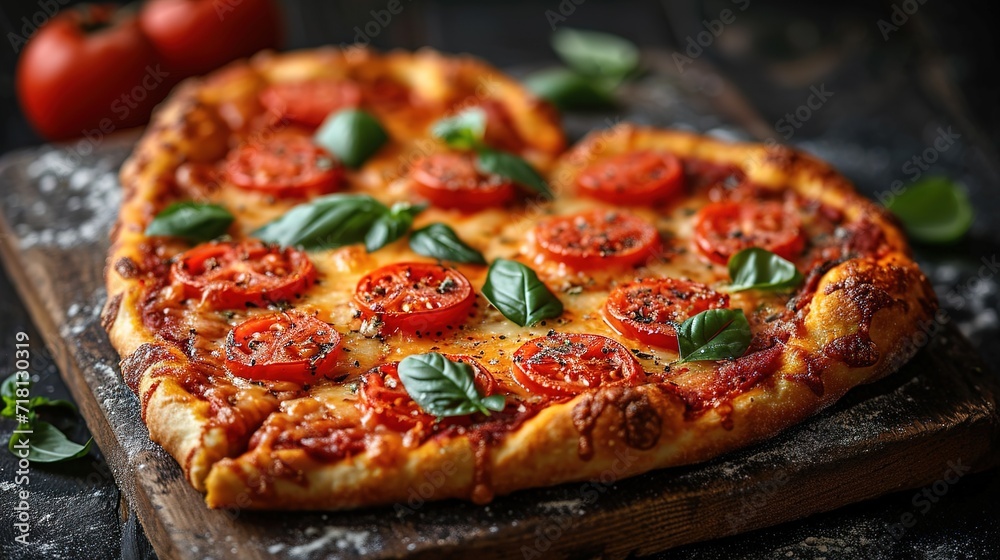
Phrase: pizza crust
[608,434]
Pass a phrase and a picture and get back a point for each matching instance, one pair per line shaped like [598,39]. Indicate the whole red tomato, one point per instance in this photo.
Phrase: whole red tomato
[89,71]
[195,36]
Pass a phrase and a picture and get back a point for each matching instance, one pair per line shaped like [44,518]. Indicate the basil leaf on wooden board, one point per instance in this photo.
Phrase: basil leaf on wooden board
[8,387]
[194,221]
[391,225]
[569,90]
[352,135]
[45,402]
[45,444]
[516,291]
[439,241]
[512,167]
[464,131]
[328,222]
[716,334]
[445,388]
[7,393]
[760,269]
[934,210]
[595,54]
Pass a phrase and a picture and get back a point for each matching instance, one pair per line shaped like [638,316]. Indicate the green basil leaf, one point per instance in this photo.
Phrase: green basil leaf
[761,269]
[392,225]
[596,54]
[512,167]
[716,334]
[327,222]
[352,135]
[45,402]
[194,221]
[516,291]
[8,387]
[46,444]
[445,388]
[7,393]
[568,90]
[464,131]
[934,210]
[439,241]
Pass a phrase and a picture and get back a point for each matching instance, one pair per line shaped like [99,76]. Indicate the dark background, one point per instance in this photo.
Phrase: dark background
[937,70]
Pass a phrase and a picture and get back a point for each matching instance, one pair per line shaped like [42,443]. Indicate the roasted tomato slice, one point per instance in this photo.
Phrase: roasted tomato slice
[723,229]
[230,275]
[563,365]
[384,397]
[648,310]
[289,346]
[309,103]
[597,239]
[415,297]
[451,180]
[287,165]
[634,178]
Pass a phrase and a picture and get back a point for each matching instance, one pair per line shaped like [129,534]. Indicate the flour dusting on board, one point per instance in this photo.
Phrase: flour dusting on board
[332,539]
[79,205]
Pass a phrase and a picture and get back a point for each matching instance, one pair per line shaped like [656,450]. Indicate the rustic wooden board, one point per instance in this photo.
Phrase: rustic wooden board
[57,207]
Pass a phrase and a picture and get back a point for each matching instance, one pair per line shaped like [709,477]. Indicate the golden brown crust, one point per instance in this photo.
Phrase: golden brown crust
[853,325]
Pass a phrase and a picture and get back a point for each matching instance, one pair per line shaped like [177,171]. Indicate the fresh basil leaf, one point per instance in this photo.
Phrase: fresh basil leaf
[934,210]
[715,334]
[464,131]
[439,241]
[512,167]
[761,269]
[46,444]
[193,221]
[568,90]
[596,54]
[392,225]
[444,388]
[7,393]
[516,291]
[8,387]
[45,402]
[328,222]
[352,135]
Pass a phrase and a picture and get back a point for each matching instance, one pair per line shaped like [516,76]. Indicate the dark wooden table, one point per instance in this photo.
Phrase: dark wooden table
[890,97]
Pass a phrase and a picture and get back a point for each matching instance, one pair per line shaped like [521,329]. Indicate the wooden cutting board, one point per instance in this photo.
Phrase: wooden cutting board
[58,205]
